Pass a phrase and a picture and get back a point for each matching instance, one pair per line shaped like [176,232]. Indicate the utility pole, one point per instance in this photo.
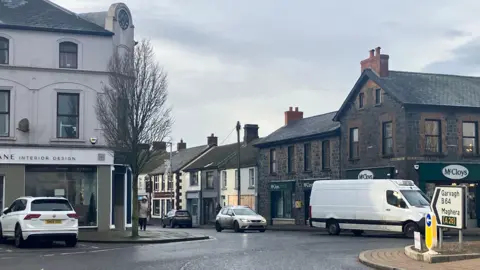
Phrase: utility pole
[170,177]
[238,167]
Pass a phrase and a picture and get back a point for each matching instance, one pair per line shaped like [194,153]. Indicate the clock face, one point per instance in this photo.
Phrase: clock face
[123,19]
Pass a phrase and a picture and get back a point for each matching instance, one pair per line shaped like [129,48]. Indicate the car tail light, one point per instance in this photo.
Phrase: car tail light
[72,216]
[310,211]
[31,216]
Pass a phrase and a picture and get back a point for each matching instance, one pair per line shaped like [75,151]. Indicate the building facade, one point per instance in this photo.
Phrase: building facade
[409,125]
[50,140]
[290,160]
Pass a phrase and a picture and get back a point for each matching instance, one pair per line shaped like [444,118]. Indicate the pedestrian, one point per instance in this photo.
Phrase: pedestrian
[143,214]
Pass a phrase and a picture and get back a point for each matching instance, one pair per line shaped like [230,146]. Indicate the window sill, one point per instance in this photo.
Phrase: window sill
[224,188]
[8,138]
[326,170]
[60,140]
[378,105]
[251,187]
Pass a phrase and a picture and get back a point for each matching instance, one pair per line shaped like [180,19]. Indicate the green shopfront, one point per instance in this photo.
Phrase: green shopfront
[281,198]
[432,174]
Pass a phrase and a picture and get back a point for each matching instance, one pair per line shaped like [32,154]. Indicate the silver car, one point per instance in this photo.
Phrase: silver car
[239,218]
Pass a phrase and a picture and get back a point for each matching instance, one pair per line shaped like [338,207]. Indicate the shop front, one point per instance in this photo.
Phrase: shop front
[281,201]
[371,173]
[305,201]
[193,201]
[433,174]
[79,174]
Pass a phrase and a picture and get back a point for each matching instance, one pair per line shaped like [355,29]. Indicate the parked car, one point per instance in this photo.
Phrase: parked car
[39,219]
[180,218]
[239,218]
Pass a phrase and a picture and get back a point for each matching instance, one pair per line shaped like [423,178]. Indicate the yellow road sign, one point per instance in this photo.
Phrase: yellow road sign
[430,230]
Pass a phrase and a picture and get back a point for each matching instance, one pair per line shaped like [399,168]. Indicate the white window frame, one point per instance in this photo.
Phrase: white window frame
[224,179]
[155,184]
[251,177]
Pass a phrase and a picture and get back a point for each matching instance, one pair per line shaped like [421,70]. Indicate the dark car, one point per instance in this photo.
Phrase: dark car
[180,218]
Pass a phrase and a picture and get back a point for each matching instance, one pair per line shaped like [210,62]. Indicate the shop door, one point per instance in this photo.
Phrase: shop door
[306,206]
[2,193]
[192,207]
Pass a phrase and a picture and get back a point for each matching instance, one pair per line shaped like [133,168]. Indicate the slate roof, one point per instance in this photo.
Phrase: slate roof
[424,88]
[248,156]
[180,159]
[306,127]
[155,162]
[213,158]
[43,15]
[97,18]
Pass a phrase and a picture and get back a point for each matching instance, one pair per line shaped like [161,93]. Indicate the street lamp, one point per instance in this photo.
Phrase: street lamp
[238,127]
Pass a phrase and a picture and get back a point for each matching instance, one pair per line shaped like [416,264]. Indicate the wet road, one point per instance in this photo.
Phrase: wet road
[227,250]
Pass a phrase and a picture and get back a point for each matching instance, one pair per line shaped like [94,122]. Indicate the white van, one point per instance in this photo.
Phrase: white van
[375,205]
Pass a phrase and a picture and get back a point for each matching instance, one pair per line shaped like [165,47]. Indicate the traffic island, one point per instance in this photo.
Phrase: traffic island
[145,237]
[448,253]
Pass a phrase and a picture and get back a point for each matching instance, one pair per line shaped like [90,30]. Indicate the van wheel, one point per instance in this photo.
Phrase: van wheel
[409,229]
[357,232]
[333,227]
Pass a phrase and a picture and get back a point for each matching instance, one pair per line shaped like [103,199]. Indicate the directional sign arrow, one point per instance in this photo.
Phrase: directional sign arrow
[434,204]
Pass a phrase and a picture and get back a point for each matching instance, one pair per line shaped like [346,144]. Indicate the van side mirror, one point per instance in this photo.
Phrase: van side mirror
[5,211]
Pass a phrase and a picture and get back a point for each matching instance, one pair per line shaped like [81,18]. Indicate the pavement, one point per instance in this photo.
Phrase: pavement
[396,259]
[146,237]
[279,250]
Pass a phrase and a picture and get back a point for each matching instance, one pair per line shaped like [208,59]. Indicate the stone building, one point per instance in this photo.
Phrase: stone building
[290,160]
[410,125]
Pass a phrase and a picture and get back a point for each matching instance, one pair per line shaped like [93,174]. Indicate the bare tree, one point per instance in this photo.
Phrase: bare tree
[133,110]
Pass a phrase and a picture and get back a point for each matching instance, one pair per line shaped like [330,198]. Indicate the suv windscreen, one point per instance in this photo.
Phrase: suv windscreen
[181,214]
[51,205]
[244,212]
[415,198]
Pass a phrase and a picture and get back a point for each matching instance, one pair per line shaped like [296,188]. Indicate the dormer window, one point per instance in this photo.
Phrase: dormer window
[68,55]
[4,51]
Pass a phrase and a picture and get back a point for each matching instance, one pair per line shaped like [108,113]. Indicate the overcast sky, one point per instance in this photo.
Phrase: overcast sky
[250,60]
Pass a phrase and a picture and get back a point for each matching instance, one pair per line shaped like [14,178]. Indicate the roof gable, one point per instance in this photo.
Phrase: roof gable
[306,127]
[180,159]
[213,158]
[43,15]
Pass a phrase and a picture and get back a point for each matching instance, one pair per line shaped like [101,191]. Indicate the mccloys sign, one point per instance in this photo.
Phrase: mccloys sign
[432,172]
[365,174]
[455,172]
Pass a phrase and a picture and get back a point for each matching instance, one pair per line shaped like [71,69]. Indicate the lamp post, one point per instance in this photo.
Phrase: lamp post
[148,182]
[170,176]
[238,127]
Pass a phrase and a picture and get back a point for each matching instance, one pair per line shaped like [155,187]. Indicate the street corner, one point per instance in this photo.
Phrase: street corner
[384,259]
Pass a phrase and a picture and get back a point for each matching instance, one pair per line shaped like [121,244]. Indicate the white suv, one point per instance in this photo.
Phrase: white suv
[39,218]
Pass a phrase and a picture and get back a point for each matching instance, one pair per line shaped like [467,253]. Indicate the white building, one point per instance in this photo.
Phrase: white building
[53,66]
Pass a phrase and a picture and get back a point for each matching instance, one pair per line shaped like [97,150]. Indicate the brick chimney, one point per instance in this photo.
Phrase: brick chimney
[250,133]
[292,115]
[212,140]
[376,62]
[159,146]
[181,145]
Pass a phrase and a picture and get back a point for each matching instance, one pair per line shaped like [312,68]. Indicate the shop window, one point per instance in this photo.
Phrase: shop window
[470,138]
[326,155]
[290,158]
[224,179]
[193,179]
[192,206]
[394,198]
[361,99]
[155,184]
[169,205]
[378,96]
[4,50]
[78,184]
[156,207]
[307,157]
[387,139]
[209,176]
[282,204]
[273,161]
[162,207]
[354,145]
[433,139]
[4,113]
[169,182]
[68,115]
[68,55]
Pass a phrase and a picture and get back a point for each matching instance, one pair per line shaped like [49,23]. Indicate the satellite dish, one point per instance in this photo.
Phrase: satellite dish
[24,125]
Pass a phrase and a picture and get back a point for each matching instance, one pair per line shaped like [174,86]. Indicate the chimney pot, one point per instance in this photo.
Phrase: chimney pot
[291,116]
[377,62]
[290,108]
[212,140]
[181,145]
[372,51]
[377,51]
[250,132]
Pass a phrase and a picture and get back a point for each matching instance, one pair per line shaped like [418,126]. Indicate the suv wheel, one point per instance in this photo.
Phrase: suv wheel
[19,241]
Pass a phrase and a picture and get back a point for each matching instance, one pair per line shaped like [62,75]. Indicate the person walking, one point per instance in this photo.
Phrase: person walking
[143,214]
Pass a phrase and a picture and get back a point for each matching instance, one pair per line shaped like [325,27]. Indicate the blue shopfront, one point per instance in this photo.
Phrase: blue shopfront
[121,205]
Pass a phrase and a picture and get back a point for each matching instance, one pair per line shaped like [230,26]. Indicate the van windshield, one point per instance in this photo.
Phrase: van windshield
[415,198]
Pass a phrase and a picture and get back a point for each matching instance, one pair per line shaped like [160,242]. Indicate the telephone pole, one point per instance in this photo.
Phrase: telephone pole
[238,167]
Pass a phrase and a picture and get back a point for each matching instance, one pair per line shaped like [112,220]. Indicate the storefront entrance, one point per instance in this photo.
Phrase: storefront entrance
[431,175]
[281,194]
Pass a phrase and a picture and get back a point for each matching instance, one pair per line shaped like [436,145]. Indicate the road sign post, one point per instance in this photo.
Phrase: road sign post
[448,205]
[430,231]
